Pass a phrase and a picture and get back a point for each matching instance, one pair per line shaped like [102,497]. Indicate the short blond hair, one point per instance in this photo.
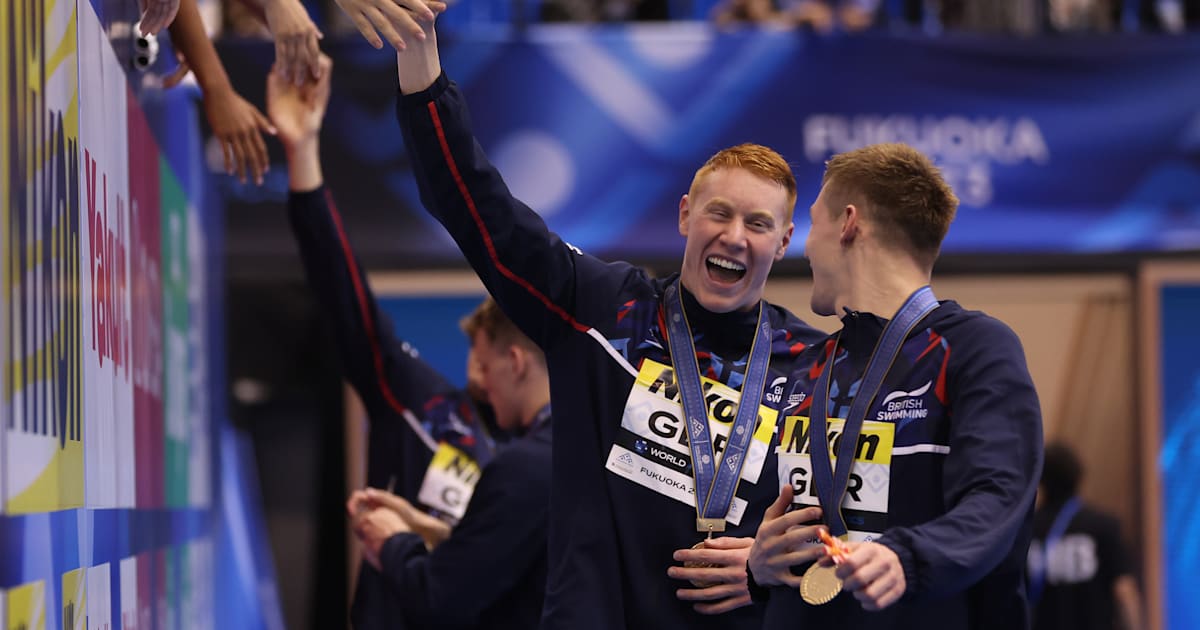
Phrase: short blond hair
[499,329]
[898,187]
[756,159]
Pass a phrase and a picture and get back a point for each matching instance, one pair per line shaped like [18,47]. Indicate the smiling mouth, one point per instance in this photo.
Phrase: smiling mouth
[725,270]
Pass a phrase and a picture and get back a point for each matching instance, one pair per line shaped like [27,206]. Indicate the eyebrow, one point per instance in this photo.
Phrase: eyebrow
[762,214]
[718,202]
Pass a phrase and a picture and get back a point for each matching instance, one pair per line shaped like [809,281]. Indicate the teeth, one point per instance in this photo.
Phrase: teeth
[726,264]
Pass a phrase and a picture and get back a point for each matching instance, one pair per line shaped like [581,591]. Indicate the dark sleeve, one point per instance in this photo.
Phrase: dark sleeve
[990,476]
[501,535]
[543,283]
[384,370]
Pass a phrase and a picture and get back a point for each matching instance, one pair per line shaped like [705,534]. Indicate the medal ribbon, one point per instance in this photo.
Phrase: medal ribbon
[831,488]
[715,483]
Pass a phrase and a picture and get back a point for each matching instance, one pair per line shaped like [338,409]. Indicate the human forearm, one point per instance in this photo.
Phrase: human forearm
[990,473]
[1129,602]
[190,39]
[304,165]
[419,65]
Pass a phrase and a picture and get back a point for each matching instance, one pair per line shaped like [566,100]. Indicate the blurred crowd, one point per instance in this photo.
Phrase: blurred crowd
[1019,17]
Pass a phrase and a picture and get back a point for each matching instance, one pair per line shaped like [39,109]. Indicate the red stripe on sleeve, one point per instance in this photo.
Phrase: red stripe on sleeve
[487,238]
[368,324]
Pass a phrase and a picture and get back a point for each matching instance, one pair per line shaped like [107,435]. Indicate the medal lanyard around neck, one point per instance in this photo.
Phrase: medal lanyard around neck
[832,488]
[715,483]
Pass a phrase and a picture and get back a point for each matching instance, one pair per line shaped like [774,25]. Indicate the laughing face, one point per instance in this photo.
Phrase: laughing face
[737,225]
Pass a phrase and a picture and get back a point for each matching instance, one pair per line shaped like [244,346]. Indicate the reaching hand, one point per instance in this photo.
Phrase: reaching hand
[782,542]
[391,17]
[296,52]
[238,125]
[718,575]
[297,112]
[157,15]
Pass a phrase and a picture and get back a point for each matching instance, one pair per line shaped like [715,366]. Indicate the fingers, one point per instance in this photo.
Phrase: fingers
[260,161]
[721,557]
[368,32]
[227,154]
[710,593]
[860,574]
[356,503]
[241,157]
[779,507]
[873,573]
[879,594]
[263,123]
[389,500]
[281,66]
[386,18]
[158,14]
[729,542]
[792,521]
[320,93]
[313,54]
[419,8]
[723,606]
[297,49]
[285,57]
[795,558]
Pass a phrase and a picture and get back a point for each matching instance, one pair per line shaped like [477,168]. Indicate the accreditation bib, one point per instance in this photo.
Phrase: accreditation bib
[865,504]
[449,481]
[652,448]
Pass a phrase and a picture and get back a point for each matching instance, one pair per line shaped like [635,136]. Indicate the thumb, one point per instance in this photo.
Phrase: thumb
[780,506]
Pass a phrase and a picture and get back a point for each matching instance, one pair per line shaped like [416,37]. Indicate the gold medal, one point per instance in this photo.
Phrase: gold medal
[693,564]
[820,584]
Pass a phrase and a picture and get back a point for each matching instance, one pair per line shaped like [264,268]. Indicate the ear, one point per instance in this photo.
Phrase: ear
[851,224]
[787,239]
[684,213]
[520,360]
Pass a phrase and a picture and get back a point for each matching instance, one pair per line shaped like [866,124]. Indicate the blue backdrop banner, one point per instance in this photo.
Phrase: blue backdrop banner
[1078,145]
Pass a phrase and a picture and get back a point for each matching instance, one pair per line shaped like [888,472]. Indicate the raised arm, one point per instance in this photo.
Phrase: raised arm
[237,124]
[531,272]
[386,372]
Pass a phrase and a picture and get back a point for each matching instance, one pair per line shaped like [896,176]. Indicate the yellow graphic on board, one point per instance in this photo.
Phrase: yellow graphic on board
[40,368]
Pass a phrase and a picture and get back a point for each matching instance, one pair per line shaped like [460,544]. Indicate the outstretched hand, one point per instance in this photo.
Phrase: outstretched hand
[398,20]
[297,56]
[238,126]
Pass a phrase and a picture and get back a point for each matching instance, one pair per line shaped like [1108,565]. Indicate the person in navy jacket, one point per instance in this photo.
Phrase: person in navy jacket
[624,518]
[414,411]
[939,499]
[490,571]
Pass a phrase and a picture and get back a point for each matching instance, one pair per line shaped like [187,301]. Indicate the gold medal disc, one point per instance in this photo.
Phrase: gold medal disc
[820,584]
[691,564]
